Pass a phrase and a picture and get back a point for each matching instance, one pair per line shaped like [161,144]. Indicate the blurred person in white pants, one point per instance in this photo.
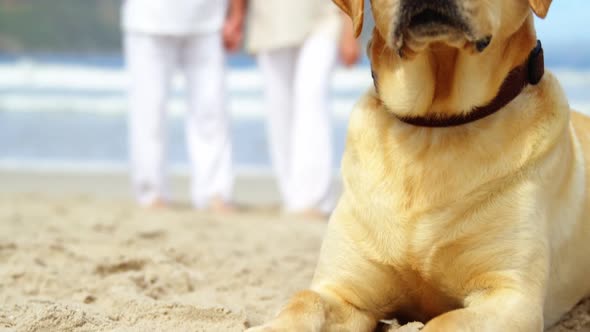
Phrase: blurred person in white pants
[162,36]
[298,44]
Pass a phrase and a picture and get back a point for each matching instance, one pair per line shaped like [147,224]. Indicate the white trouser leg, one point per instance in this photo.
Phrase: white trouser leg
[310,176]
[278,70]
[207,125]
[150,63]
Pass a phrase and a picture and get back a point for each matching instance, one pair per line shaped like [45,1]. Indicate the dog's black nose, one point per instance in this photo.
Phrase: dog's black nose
[430,13]
[414,6]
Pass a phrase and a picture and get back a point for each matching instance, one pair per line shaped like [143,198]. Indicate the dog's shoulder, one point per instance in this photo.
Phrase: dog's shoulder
[368,119]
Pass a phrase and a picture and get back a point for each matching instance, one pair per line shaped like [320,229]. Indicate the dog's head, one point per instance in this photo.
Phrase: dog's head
[423,49]
[413,25]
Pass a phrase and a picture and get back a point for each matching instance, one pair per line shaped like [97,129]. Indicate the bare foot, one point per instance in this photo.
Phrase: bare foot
[220,206]
[157,204]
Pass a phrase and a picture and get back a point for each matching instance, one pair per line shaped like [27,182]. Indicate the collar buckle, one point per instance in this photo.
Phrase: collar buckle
[536,64]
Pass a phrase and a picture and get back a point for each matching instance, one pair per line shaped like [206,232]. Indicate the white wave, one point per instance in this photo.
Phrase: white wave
[70,88]
[240,107]
[44,166]
[28,74]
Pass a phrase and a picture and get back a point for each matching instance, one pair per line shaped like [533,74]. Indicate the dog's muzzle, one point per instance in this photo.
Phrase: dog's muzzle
[433,19]
[430,17]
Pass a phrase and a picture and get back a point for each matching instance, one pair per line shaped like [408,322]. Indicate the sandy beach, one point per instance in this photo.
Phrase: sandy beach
[77,255]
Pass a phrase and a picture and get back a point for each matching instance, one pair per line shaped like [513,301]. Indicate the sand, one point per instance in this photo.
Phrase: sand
[71,262]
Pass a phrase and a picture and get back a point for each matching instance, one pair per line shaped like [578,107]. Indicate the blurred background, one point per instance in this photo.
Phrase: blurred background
[63,96]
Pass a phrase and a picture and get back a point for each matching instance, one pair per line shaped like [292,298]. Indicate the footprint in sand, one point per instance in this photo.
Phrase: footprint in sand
[120,267]
[152,234]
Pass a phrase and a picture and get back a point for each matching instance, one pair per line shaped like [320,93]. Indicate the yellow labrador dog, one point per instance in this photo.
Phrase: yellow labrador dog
[466,202]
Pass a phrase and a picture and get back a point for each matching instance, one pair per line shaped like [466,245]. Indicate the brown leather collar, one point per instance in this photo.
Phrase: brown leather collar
[531,72]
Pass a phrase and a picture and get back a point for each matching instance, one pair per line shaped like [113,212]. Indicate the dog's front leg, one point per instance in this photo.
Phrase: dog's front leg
[350,292]
[310,311]
[493,311]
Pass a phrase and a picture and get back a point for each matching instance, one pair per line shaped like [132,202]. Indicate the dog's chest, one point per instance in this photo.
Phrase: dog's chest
[428,274]
[427,256]
[424,299]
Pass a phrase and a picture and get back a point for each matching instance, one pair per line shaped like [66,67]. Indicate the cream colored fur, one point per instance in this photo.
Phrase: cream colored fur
[481,227]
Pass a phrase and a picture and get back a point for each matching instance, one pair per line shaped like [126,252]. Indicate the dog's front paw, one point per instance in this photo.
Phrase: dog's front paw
[283,325]
[265,328]
[412,327]
[260,329]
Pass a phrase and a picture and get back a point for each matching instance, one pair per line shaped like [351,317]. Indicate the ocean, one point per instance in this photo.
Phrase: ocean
[69,112]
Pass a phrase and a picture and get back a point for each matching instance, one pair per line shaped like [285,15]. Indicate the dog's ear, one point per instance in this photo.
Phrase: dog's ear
[540,7]
[356,10]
